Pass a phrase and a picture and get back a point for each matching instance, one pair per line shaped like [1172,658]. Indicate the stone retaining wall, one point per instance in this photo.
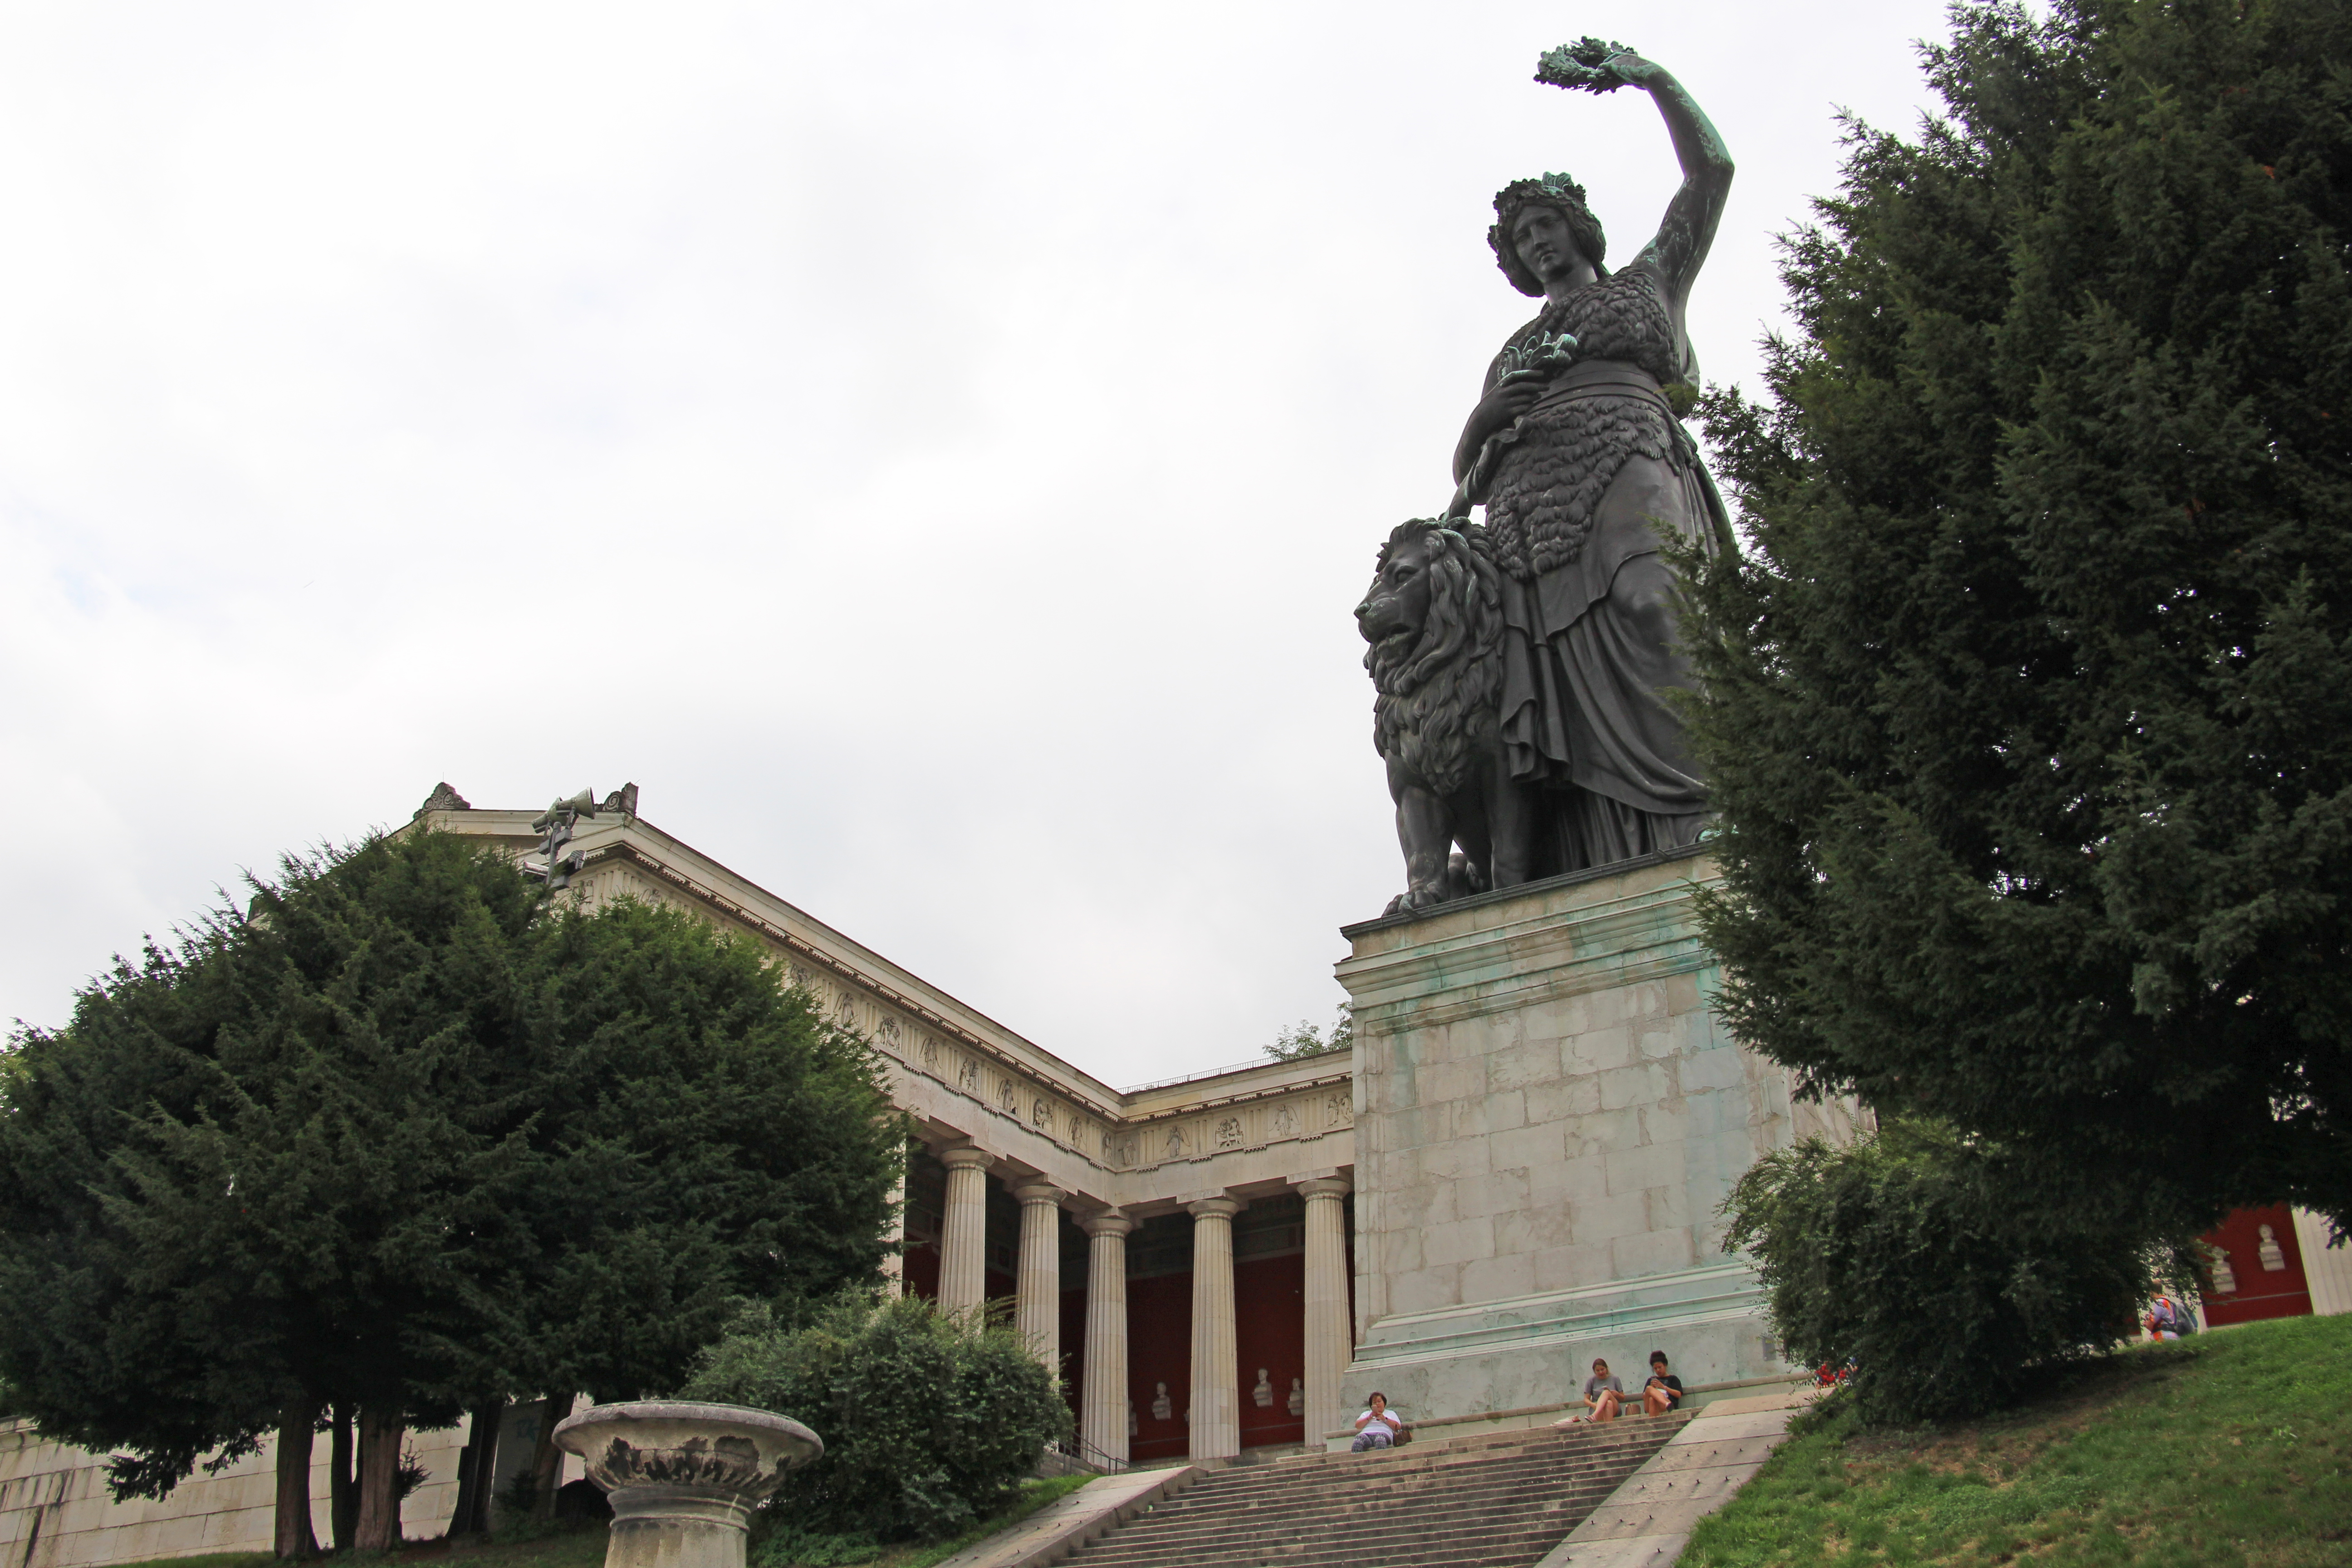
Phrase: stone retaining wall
[55,1511]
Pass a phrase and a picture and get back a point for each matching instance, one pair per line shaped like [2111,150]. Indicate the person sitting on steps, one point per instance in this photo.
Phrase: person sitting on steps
[1663,1392]
[1378,1427]
[1603,1394]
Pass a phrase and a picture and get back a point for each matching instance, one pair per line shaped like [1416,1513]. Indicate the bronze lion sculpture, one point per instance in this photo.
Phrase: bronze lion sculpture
[1434,620]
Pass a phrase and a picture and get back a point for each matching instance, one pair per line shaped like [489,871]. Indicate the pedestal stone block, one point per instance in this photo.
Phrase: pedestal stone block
[1546,1118]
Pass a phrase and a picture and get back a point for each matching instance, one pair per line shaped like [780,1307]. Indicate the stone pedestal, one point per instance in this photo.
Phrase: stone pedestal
[684,1478]
[1548,1116]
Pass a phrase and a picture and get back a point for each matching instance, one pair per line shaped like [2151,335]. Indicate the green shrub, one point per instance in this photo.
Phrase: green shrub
[783,1545]
[1918,1256]
[930,1419]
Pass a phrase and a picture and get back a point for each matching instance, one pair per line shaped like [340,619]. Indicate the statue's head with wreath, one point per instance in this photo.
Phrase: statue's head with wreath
[1562,195]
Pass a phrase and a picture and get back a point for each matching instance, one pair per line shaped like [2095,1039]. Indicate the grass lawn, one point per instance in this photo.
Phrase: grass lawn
[584,1547]
[2231,1448]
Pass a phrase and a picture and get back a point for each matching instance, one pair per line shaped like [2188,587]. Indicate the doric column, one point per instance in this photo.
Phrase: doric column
[1037,1286]
[1102,1413]
[1331,1335]
[1216,1380]
[963,1230]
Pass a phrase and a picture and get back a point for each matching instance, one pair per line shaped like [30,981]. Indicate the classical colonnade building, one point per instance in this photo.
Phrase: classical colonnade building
[1178,1252]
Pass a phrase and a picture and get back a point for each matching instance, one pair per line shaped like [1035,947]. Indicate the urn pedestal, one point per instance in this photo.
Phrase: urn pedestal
[684,1478]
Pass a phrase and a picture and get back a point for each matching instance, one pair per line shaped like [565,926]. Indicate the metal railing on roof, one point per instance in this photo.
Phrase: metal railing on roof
[1220,1072]
[1190,1076]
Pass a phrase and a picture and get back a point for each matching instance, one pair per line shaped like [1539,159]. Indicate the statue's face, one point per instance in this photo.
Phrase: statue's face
[1545,248]
[1398,601]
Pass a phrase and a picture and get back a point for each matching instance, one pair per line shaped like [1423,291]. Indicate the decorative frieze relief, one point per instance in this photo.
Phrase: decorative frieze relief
[1306,1113]
[936,1053]
[1198,1135]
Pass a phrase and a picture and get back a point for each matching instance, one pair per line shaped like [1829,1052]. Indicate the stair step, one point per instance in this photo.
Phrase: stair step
[1496,1500]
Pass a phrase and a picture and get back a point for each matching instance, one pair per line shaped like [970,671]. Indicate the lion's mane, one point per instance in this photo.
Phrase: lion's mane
[1436,693]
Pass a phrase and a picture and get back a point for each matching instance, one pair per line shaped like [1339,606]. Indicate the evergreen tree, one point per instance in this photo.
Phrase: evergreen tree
[403,1142]
[708,1138]
[2029,713]
[94,1359]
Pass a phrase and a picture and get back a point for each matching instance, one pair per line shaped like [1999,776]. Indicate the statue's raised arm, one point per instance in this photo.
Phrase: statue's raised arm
[1681,244]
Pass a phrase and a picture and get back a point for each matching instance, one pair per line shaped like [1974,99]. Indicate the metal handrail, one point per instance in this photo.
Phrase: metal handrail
[1085,1453]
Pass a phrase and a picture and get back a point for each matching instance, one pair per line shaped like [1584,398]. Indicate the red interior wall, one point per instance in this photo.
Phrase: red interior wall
[1269,1300]
[1074,1348]
[2260,1294]
[1159,1350]
[922,1271]
[1270,1329]
[922,1276]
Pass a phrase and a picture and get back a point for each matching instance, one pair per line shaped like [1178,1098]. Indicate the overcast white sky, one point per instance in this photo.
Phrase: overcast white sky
[933,449]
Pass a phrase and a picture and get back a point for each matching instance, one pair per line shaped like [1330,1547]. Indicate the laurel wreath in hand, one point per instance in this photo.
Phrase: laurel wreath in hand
[1582,65]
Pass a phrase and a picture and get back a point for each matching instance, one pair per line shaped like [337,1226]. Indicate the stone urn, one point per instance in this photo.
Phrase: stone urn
[684,1478]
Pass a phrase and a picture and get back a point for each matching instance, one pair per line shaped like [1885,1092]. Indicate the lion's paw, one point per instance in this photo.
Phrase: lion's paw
[1422,898]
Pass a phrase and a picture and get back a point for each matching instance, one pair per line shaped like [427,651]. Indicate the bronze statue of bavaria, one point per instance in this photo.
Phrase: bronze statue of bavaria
[1521,706]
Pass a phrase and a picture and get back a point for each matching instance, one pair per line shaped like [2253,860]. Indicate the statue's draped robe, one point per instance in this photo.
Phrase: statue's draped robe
[1576,495]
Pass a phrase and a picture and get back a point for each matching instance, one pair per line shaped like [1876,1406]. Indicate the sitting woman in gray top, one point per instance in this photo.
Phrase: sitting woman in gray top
[1603,1394]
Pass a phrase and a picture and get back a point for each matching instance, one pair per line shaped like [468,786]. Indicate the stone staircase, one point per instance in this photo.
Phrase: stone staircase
[1500,1499]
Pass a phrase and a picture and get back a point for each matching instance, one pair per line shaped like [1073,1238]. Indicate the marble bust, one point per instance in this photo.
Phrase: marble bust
[2273,1257]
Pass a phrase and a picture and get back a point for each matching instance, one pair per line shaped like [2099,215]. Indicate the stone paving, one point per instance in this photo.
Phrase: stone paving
[1647,1521]
[1062,1527]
